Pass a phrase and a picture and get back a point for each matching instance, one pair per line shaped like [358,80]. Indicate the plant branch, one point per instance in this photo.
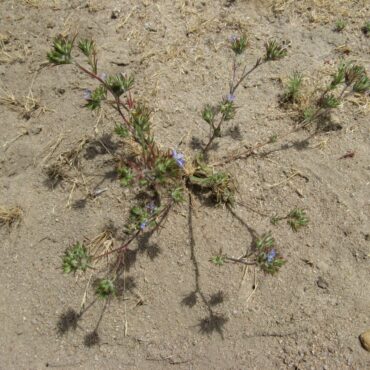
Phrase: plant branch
[241,260]
[215,133]
[245,75]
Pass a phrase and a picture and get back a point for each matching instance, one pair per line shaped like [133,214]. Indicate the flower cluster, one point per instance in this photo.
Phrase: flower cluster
[268,259]
[179,158]
[271,256]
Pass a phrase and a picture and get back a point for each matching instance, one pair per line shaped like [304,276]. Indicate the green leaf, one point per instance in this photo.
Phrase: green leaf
[97,96]
[274,51]
[329,101]
[266,241]
[119,84]
[297,219]
[76,258]
[362,85]
[121,131]
[178,195]
[208,114]
[105,288]
[218,260]
[127,176]
[61,53]
[239,44]
[86,46]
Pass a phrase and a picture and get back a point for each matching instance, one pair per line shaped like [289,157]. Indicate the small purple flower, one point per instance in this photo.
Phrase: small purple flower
[233,38]
[87,94]
[179,158]
[271,256]
[151,207]
[230,98]
[144,224]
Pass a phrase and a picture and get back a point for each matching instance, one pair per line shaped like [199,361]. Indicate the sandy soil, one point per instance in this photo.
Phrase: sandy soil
[179,311]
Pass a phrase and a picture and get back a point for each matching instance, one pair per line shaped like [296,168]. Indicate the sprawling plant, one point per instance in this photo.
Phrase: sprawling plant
[165,175]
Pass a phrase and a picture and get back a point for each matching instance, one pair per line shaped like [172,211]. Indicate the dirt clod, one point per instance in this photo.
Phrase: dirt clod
[322,283]
[365,340]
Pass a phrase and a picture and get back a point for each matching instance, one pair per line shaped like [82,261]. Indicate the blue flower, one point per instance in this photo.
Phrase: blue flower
[151,207]
[230,98]
[271,256]
[144,224]
[87,94]
[179,158]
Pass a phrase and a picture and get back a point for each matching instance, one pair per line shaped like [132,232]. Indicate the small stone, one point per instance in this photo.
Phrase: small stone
[115,13]
[4,38]
[149,27]
[322,283]
[365,340]
[35,130]
[229,3]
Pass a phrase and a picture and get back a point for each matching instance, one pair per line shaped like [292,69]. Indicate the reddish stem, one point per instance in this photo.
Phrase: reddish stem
[123,247]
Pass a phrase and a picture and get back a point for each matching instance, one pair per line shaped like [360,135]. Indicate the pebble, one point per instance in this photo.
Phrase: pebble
[322,283]
[4,38]
[365,340]
[115,13]
[35,130]
[149,27]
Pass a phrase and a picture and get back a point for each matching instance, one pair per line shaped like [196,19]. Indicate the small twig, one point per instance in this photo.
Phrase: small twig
[23,133]
[245,75]
[283,181]
[245,270]
[349,154]
[53,148]
[280,335]
[68,205]
[241,260]
[83,302]
[255,284]
[123,247]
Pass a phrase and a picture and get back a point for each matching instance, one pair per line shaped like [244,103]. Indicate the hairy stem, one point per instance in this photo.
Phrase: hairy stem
[245,75]
[215,133]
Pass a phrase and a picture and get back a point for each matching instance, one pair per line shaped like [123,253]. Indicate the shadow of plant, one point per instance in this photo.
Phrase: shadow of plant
[92,339]
[124,284]
[55,175]
[216,298]
[190,300]
[79,204]
[68,321]
[100,146]
[235,133]
[152,250]
[214,322]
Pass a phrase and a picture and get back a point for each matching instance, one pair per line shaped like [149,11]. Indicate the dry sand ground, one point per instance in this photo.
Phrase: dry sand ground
[307,317]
